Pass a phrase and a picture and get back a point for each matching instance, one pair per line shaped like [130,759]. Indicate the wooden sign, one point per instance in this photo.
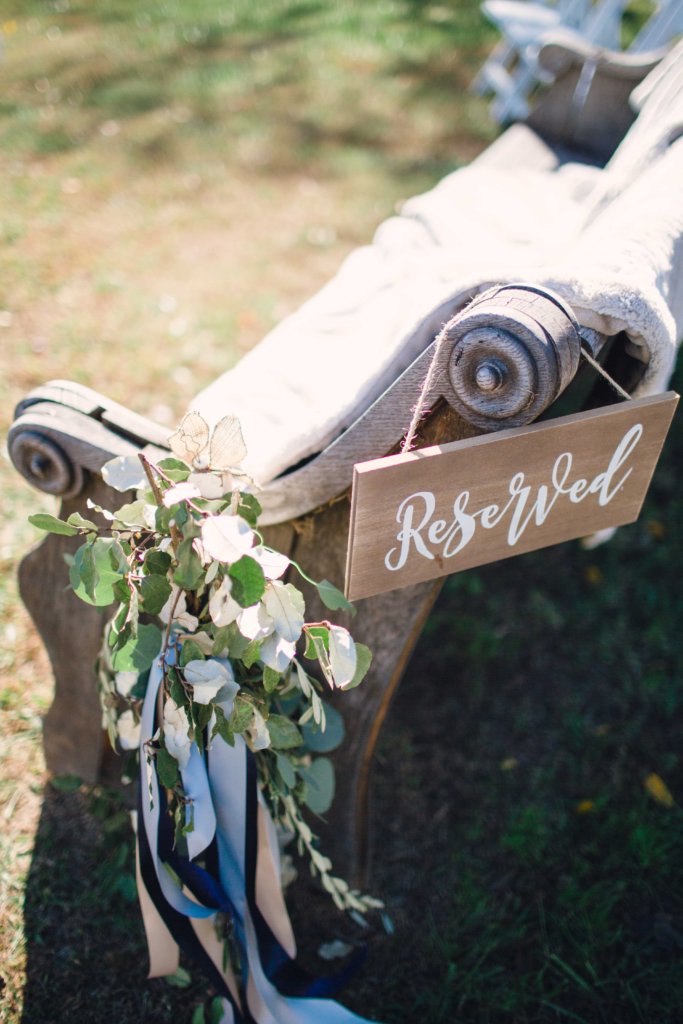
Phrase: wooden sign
[437,511]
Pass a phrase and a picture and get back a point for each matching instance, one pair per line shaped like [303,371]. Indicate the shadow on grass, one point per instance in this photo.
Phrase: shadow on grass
[86,951]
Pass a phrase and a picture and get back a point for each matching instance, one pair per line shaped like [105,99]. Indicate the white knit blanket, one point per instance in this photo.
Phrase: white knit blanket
[608,241]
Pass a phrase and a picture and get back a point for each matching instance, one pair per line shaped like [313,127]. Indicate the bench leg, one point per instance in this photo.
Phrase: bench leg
[72,633]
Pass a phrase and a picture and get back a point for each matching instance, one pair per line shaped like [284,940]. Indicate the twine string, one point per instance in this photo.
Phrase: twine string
[420,407]
[603,373]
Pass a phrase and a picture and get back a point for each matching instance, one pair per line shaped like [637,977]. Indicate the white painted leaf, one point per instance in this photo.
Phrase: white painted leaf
[109,516]
[285,604]
[129,730]
[204,641]
[211,572]
[227,538]
[342,656]
[180,492]
[191,439]
[208,677]
[258,735]
[176,732]
[272,562]
[125,681]
[323,658]
[277,653]
[223,608]
[254,622]
[149,515]
[227,447]
[124,473]
[180,613]
[211,485]
[304,682]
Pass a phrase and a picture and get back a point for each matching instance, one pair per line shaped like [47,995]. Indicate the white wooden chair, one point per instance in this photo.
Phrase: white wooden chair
[514,70]
[335,383]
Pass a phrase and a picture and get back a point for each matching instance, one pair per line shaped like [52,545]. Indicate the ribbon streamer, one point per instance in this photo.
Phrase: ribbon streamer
[180,899]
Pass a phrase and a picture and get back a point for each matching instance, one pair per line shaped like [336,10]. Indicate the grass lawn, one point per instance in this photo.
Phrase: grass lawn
[175,178]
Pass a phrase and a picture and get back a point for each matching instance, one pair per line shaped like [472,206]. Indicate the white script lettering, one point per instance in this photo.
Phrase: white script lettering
[418,530]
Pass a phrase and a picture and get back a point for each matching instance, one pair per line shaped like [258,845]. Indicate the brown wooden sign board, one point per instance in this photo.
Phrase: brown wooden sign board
[443,509]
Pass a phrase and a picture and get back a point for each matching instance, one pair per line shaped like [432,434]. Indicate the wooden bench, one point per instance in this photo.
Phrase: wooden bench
[510,354]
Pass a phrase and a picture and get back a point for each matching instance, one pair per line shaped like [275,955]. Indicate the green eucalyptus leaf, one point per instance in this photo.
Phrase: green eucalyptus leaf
[177,690]
[363,662]
[198,1017]
[77,520]
[222,637]
[121,591]
[190,571]
[284,735]
[249,508]
[201,714]
[191,651]
[242,716]
[133,616]
[248,581]
[181,978]
[118,641]
[140,689]
[131,515]
[97,568]
[319,779]
[270,679]
[92,576]
[118,560]
[313,634]
[333,598]
[157,563]
[155,592]
[222,727]
[167,768]
[251,654]
[140,651]
[51,524]
[121,617]
[83,574]
[286,770]
[322,742]
[174,469]
[215,1011]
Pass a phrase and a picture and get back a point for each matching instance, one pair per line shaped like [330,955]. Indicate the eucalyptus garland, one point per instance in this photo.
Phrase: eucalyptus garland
[195,587]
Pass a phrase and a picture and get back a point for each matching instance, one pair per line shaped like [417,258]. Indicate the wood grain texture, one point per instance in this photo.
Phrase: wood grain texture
[72,631]
[447,508]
